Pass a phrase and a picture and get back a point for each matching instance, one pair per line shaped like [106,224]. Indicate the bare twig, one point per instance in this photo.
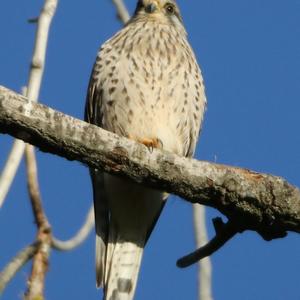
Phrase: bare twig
[33,188]
[40,47]
[36,281]
[80,236]
[264,203]
[122,11]
[34,84]
[10,168]
[222,236]
[204,268]
[16,264]
[40,259]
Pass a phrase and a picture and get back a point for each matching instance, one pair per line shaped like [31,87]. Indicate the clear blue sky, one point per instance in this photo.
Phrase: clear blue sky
[249,52]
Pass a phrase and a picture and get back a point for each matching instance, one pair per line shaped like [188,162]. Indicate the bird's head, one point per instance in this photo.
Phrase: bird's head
[160,10]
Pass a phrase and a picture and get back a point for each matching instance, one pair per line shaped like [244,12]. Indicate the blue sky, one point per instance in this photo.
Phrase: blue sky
[249,52]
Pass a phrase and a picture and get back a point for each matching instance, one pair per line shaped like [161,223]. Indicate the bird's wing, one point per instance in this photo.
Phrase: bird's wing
[94,116]
[92,113]
[199,102]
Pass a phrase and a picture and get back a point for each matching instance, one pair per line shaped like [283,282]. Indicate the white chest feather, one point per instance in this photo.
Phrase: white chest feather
[152,86]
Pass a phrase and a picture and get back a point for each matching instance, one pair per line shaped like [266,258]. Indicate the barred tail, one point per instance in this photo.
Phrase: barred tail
[122,269]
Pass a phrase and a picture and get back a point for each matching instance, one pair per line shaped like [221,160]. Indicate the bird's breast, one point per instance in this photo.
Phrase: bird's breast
[152,90]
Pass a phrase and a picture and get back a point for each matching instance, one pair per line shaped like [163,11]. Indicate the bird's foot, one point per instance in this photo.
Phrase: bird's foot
[150,143]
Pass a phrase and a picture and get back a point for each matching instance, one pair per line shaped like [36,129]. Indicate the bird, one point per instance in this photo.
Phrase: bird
[145,85]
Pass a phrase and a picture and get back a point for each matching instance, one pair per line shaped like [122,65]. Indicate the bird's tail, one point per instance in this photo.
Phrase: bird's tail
[122,268]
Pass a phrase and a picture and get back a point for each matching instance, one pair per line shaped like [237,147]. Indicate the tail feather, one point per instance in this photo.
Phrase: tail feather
[122,269]
[100,262]
[101,225]
[125,217]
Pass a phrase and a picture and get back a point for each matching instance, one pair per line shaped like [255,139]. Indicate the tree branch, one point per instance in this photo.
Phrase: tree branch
[10,169]
[223,235]
[264,203]
[80,236]
[32,91]
[16,264]
[36,281]
[33,188]
[122,11]
[204,268]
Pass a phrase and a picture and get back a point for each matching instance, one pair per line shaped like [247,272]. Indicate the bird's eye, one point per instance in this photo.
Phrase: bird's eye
[170,9]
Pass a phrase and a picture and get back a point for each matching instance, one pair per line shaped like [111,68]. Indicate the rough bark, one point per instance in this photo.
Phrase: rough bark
[255,201]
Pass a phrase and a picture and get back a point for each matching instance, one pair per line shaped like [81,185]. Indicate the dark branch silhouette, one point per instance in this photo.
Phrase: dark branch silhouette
[224,232]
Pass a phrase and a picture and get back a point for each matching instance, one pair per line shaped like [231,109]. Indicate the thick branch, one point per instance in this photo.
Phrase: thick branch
[260,202]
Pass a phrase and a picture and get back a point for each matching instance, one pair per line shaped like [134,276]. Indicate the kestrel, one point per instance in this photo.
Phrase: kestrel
[147,86]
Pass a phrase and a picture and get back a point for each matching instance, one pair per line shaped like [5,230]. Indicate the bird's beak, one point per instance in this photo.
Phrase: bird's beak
[152,7]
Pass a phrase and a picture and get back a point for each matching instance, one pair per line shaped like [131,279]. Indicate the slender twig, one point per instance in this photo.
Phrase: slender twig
[80,236]
[33,88]
[40,259]
[204,268]
[222,236]
[122,11]
[33,188]
[40,47]
[10,168]
[16,264]
[12,164]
